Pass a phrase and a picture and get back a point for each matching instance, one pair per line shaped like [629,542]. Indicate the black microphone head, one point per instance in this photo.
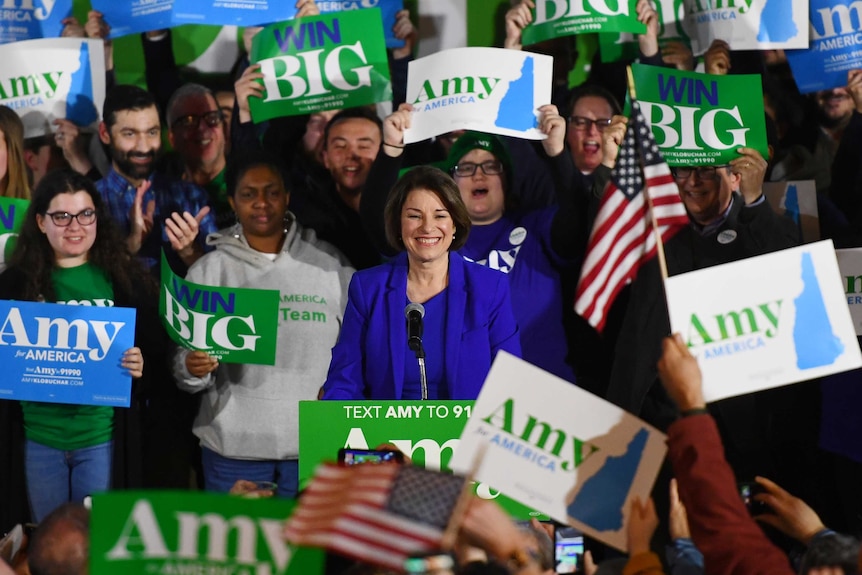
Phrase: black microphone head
[411,307]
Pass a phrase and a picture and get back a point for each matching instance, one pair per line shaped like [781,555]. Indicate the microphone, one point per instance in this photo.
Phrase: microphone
[414,312]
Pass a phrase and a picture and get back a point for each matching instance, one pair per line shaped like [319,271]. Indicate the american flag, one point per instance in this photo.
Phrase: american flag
[379,514]
[622,236]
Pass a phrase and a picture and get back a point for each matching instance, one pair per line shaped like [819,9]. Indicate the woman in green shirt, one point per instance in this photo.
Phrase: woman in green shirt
[69,251]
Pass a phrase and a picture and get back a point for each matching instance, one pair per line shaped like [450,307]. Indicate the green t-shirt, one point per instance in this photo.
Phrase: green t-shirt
[217,191]
[64,426]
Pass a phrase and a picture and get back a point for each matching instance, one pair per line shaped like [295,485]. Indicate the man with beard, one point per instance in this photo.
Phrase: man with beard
[154,210]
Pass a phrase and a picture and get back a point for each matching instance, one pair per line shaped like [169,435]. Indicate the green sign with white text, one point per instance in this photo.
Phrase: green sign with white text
[325,62]
[173,533]
[700,119]
[12,212]
[425,431]
[624,46]
[236,325]
[555,18]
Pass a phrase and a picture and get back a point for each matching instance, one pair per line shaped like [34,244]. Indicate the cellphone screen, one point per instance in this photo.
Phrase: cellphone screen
[357,456]
[569,549]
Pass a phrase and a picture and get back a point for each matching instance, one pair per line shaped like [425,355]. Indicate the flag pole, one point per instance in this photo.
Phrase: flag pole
[659,244]
[460,509]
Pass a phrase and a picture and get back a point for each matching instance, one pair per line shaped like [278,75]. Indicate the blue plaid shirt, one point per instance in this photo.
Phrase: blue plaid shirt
[170,196]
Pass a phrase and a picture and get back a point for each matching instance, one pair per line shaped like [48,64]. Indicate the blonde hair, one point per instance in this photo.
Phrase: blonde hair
[17,177]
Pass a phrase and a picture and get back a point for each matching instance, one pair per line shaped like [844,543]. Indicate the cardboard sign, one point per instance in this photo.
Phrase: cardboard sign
[54,78]
[850,266]
[700,119]
[623,46]
[135,16]
[320,63]
[425,431]
[796,200]
[836,35]
[237,325]
[65,353]
[555,18]
[747,24]
[147,532]
[560,449]
[484,89]
[32,19]
[12,213]
[765,321]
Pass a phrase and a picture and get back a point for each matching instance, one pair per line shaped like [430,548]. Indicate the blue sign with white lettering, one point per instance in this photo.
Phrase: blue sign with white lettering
[135,16]
[65,353]
[262,12]
[835,46]
[32,19]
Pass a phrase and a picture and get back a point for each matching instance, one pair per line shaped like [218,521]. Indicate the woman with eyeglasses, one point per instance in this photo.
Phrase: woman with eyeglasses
[70,251]
[428,324]
[533,248]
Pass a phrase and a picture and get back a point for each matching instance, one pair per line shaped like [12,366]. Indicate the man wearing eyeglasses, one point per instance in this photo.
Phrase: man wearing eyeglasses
[196,130]
[154,210]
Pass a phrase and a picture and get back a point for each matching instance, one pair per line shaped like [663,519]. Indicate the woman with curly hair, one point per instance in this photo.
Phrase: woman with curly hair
[69,251]
[14,179]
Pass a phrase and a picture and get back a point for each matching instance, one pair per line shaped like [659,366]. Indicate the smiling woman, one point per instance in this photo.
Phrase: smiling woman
[70,251]
[467,309]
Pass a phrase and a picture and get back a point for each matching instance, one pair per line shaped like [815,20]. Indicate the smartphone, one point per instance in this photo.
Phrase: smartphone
[747,490]
[347,456]
[569,549]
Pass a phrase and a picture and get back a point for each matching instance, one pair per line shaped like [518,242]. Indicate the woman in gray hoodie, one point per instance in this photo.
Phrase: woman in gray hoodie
[248,421]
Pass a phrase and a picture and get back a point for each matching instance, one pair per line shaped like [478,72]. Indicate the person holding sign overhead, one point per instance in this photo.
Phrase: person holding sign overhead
[248,420]
[531,247]
[70,251]
[428,302]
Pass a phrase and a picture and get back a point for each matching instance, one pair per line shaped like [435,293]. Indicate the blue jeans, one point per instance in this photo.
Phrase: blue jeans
[220,473]
[55,476]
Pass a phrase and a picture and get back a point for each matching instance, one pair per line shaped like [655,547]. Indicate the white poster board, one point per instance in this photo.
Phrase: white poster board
[559,449]
[43,80]
[747,24]
[765,321]
[484,89]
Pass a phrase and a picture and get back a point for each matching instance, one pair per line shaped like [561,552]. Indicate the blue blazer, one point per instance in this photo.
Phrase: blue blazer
[368,360]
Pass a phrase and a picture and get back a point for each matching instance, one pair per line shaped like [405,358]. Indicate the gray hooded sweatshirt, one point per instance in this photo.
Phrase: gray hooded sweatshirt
[252,411]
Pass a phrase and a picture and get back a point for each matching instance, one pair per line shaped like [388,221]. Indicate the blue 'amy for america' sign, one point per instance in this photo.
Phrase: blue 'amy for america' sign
[835,46]
[134,16]
[261,12]
[31,19]
[65,353]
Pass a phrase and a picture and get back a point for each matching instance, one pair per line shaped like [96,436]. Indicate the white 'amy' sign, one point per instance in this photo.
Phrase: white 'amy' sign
[484,89]
[850,265]
[53,78]
[747,24]
[559,449]
[765,321]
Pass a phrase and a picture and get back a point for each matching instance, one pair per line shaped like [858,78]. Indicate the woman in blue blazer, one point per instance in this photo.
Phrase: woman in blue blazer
[468,311]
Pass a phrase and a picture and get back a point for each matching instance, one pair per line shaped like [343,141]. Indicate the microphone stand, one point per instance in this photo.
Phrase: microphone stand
[416,345]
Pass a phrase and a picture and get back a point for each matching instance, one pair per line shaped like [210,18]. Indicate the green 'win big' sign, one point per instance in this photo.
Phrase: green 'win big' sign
[325,62]
[700,119]
[425,431]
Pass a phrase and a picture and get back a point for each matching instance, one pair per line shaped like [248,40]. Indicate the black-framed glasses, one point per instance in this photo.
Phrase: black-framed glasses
[585,124]
[212,118]
[489,168]
[700,173]
[64,219]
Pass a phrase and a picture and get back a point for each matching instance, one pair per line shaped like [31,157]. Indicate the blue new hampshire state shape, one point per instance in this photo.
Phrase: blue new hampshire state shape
[516,107]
